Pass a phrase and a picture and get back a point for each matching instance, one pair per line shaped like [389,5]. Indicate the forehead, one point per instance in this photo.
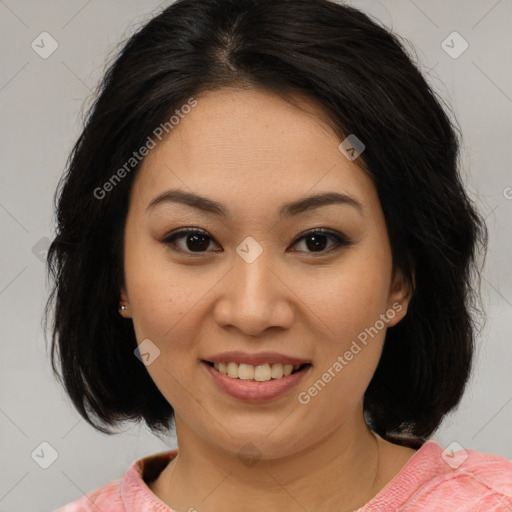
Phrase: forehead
[251,147]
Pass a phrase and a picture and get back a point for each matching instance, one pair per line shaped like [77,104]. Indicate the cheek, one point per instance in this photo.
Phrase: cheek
[158,295]
[159,304]
[162,304]
[348,299]
[350,344]
[348,305]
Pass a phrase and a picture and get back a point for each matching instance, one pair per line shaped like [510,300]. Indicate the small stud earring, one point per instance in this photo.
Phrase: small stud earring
[122,307]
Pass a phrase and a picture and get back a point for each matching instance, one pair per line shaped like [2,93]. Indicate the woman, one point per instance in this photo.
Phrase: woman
[263,239]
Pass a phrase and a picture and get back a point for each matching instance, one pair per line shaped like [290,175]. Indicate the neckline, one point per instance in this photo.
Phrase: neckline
[420,468]
[135,488]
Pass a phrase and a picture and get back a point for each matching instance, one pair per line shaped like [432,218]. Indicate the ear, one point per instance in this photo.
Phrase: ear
[400,294]
[123,301]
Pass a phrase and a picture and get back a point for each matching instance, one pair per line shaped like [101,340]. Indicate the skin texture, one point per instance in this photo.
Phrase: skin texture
[253,151]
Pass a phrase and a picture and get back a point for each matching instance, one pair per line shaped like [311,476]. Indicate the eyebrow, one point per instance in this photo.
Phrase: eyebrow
[287,210]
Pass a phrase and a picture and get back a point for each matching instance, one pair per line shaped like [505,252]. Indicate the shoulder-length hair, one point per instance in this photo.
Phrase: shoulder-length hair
[367,85]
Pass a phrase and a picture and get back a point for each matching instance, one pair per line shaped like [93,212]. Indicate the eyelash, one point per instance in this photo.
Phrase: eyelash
[339,239]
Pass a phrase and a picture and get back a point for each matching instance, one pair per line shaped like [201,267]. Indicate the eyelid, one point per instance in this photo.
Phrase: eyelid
[340,240]
[182,232]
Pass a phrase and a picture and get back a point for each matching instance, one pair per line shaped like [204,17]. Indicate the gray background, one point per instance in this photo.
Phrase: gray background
[41,101]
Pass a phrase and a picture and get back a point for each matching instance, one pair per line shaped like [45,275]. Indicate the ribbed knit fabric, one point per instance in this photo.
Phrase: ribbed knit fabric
[427,483]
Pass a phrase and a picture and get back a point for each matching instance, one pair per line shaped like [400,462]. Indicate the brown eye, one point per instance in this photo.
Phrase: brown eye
[317,240]
[191,240]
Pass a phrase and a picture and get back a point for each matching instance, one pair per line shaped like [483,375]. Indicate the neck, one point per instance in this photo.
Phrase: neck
[341,472]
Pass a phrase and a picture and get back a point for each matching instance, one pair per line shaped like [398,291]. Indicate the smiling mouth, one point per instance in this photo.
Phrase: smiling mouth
[259,373]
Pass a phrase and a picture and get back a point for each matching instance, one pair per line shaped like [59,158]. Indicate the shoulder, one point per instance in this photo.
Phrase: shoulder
[106,498]
[463,480]
[131,492]
[442,479]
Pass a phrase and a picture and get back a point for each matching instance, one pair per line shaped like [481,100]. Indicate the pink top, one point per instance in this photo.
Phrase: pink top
[432,480]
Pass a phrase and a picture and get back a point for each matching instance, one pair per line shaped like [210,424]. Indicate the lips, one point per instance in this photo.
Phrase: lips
[253,391]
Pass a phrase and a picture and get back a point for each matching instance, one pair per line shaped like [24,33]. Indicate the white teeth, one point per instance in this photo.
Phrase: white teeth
[245,371]
[233,370]
[277,371]
[260,373]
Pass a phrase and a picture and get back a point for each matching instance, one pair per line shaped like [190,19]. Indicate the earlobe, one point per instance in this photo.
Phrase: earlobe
[124,308]
[400,295]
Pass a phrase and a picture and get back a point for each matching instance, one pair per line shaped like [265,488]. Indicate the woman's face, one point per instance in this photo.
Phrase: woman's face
[254,281]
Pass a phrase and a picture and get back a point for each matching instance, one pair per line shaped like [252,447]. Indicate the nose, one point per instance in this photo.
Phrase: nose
[254,297]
